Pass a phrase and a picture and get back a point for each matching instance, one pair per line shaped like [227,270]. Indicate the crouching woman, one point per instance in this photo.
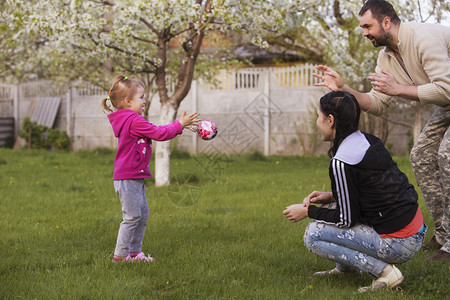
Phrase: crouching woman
[371,219]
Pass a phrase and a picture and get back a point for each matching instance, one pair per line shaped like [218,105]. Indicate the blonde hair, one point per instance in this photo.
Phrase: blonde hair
[122,88]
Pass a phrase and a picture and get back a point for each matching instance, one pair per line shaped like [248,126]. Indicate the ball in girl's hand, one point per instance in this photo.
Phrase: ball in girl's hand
[207,130]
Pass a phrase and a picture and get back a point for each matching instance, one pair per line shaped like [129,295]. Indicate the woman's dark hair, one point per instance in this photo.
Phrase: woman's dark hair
[344,107]
[380,9]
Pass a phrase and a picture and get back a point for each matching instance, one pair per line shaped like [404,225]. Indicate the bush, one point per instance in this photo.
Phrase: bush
[9,142]
[42,137]
[256,156]
[58,140]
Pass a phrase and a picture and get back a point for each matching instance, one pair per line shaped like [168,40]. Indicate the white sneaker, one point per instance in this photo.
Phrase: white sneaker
[328,272]
[391,280]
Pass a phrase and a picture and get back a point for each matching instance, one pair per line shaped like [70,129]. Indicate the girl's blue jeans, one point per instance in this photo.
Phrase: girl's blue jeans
[360,247]
[135,215]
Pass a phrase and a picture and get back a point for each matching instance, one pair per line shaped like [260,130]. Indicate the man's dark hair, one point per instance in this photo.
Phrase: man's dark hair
[380,9]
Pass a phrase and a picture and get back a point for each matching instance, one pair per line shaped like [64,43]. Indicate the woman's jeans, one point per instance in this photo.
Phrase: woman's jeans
[360,247]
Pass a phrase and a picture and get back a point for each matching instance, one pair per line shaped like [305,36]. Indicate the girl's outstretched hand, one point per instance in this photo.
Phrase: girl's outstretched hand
[189,121]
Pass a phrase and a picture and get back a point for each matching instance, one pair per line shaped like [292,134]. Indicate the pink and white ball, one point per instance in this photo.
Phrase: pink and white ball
[207,130]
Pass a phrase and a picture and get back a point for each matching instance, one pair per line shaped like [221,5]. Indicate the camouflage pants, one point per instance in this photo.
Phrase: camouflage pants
[430,160]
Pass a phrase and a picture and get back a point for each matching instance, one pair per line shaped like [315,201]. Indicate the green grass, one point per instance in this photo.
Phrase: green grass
[216,233]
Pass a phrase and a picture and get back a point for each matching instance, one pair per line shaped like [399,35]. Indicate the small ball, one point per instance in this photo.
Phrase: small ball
[207,130]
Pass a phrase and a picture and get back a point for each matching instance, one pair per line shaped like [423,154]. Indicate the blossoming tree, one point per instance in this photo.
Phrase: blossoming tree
[158,40]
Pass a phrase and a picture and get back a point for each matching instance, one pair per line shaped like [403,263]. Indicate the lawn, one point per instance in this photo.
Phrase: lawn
[217,232]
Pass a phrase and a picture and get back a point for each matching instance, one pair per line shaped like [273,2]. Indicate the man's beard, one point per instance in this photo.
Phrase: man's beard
[383,40]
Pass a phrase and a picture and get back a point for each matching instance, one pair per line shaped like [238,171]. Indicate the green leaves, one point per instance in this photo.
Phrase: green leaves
[42,137]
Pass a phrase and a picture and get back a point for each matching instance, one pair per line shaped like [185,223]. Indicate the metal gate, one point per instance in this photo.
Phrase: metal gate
[8,114]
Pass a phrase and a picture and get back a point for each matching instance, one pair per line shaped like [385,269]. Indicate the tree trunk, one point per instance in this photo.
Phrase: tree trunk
[169,105]
[162,153]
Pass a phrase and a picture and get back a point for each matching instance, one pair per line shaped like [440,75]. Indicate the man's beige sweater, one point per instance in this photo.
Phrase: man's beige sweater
[425,50]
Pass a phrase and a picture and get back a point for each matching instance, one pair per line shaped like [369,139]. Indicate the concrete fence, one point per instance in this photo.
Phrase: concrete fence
[269,110]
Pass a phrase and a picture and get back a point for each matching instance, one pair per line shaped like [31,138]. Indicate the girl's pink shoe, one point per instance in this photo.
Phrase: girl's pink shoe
[122,258]
[140,257]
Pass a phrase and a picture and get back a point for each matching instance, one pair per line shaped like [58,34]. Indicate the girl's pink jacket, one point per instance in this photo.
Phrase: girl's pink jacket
[135,136]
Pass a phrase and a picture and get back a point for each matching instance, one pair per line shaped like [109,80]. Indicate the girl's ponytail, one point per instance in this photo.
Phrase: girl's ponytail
[105,107]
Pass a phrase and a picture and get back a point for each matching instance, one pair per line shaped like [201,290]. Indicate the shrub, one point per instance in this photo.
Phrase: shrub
[42,137]
[9,142]
[256,156]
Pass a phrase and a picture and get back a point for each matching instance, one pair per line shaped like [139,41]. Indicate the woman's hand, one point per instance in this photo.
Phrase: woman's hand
[296,212]
[318,198]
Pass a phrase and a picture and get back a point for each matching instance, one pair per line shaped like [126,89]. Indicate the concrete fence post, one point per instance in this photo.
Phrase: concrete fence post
[267,113]
[15,93]
[69,112]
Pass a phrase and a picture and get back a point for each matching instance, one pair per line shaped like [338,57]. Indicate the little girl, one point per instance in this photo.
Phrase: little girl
[376,220]
[131,164]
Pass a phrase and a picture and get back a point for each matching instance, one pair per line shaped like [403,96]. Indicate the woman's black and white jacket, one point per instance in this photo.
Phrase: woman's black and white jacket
[368,186]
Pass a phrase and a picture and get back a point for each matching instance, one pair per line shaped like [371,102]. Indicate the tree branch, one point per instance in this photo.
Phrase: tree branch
[396,122]
[105,2]
[407,102]
[186,72]
[129,54]
[142,39]
[420,11]
[201,29]
[337,13]
[179,32]
[152,28]
[131,70]
[82,47]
